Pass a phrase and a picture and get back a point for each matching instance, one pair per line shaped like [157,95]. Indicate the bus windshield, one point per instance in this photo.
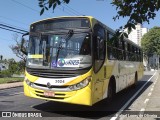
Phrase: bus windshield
[60,51]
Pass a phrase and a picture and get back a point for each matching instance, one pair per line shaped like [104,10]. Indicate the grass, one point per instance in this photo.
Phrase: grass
[11,80]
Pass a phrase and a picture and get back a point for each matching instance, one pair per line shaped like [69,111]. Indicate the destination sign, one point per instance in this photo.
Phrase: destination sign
[48,25]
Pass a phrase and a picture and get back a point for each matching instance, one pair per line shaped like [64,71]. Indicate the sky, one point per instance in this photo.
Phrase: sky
[21,13]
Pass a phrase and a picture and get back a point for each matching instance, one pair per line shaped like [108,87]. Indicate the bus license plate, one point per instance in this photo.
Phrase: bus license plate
[49,94]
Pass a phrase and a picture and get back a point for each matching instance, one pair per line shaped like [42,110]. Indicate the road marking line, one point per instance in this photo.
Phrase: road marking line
[113,118]
[146,101]
[142,110]
[152,86]
[129,101]
[151,89]
[149,94]
[155,80]
[16,93]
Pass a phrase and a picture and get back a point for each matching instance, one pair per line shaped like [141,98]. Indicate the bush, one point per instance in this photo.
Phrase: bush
[5,73]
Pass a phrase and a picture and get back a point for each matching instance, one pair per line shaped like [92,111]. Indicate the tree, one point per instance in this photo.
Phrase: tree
[151,42]
[17,48]
[12,66]
[21,66]
[138,11]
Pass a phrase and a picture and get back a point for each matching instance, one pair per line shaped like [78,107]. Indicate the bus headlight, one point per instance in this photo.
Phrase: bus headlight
[80,85]
[28,82]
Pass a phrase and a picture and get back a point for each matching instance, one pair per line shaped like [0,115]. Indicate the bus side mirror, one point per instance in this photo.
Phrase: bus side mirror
[23,48]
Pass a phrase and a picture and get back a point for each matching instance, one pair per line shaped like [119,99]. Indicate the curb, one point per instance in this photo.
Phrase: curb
[10,85]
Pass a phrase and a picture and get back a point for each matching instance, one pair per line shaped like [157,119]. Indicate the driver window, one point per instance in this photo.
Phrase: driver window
[99,46]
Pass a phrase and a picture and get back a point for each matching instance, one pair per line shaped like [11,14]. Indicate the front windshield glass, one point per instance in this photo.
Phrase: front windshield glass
[60,51]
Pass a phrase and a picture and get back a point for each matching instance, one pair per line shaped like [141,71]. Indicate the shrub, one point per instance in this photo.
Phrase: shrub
[5,73]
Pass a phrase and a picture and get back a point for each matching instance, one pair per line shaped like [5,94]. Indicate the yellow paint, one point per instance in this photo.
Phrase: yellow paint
[35,56]
[30,77]
[80,78]
[82,96]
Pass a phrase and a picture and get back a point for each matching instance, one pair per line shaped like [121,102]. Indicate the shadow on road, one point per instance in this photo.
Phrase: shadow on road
[99,110]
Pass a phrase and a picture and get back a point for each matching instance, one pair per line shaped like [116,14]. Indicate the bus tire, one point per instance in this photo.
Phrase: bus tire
[111,90]
[135,80]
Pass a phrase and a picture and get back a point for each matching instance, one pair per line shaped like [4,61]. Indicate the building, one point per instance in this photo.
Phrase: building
[4,66]
[136,34]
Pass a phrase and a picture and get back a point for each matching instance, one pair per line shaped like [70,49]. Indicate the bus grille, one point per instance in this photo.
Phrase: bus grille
[59,96]
[52,86]
[50,97]
[46,73]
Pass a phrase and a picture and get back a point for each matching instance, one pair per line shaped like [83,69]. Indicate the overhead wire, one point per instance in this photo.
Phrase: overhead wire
[10,19]
[12,27]
[69,12]
[28,7]
[5,26]
[75,11]
[66,9]
[11,30]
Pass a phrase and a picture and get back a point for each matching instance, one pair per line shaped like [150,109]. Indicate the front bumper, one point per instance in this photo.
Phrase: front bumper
[82,96]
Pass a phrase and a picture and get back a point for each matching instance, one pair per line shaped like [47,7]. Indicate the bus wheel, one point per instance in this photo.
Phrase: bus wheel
[135,80]
[111,91]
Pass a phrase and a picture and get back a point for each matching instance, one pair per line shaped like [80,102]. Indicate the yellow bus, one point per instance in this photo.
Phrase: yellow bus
[78,60]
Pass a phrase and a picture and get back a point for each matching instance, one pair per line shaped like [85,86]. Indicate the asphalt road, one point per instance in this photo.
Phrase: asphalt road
[13,100]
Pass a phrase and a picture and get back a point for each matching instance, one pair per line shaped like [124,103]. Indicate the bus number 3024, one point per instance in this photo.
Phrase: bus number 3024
[59,81]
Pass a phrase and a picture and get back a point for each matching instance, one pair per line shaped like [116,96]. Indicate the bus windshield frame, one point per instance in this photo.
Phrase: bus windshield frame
[60,51]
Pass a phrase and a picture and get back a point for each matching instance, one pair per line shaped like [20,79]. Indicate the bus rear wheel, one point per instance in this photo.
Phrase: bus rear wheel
[111,91]
[135,80]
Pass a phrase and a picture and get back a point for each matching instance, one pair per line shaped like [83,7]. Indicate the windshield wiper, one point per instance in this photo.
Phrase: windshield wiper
[68,36]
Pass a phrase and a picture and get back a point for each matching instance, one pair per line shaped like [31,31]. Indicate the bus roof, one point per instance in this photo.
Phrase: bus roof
[63,17]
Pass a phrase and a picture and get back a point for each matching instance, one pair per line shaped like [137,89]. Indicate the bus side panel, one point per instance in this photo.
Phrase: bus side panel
[110,67]
[98,81]
[140,71]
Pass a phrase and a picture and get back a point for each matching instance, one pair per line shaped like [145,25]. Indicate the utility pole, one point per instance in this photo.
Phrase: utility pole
[1,57]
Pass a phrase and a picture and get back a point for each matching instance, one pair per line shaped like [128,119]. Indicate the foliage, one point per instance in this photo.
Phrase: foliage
[16,48]
[13,68]
[21,66]
[138,11]
[16,67]
[11,79]
[5,73]
[151,42]
[47,4]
